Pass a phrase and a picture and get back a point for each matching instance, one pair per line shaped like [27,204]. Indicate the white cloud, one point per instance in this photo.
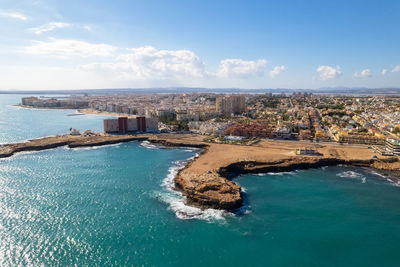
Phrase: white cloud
[149,63]
[241,69]
[14,15]
[384,72]
[69,48]
[328,72]
[87,27]
[396,69]
[277,70]
[144,65]
[49,27]
[363,74]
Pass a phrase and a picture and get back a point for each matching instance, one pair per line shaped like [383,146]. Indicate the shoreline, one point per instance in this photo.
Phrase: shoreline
[42,108]
[45,143]
[88,111]
[207,180]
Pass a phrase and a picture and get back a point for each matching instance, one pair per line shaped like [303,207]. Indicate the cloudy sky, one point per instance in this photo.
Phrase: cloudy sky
[226,43]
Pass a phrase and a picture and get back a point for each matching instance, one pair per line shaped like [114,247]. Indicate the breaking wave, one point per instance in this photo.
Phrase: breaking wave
[281,173]
[147,144]
[177,201]
[352,175]
[93,147]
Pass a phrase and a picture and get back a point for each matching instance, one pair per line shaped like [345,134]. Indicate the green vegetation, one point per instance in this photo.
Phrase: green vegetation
[221,140]
[270,102]
[171,120]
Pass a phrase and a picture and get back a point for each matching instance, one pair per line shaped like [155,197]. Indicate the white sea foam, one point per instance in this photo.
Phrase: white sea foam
[352,175]
[393,181]
[378,174]
[396,183]
[147,144]
[177,201]
[92,147]
[281,173]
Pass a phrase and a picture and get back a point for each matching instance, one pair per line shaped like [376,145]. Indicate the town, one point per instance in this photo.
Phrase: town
[237,118]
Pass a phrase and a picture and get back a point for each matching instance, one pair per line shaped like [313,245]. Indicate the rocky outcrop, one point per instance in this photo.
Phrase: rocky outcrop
[66,140]
[216,190]
[210,190]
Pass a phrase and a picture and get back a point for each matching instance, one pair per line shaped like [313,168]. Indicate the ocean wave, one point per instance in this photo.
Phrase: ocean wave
[277,173]
[392,181]
[395,183]
[176,201]
[378,174]
[352,175]
[149,145]
[92,147]
[281,173]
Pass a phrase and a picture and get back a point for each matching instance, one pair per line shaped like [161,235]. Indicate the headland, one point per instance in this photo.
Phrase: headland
[72,141]
[207,180]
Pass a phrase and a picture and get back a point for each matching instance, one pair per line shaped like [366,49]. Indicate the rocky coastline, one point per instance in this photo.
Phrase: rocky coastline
[70,141]
[207,180]
[215,188]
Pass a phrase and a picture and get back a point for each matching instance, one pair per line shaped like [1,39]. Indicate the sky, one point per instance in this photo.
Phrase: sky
[58,44]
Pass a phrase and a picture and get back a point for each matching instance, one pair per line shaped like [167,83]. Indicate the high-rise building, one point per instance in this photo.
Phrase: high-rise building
[233,104]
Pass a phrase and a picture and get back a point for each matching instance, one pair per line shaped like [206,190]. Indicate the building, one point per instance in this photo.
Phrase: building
[321,135]
[208,127]
[131,125]
[250,130]
[234,138]
[74,103]
[310,151]
[360,138]
[233,104]
[184,115]
[393,146]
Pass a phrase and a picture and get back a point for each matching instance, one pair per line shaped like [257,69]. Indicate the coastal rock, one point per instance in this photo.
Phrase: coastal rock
[210,190]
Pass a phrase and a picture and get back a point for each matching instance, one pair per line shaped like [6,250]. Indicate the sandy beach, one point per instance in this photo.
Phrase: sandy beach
[102,113]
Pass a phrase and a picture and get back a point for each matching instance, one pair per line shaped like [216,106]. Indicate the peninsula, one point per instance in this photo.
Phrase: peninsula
[207,181]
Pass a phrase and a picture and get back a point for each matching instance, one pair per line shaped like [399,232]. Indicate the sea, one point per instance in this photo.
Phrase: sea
[116,206]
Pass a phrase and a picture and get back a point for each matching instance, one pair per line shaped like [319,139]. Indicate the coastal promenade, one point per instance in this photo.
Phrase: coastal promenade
[207,180]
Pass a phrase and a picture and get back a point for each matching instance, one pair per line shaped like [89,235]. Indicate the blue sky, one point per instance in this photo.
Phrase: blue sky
[246,44]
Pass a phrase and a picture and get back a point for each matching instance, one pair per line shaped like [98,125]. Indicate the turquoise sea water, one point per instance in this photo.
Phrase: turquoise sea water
[113,205]
[18,124]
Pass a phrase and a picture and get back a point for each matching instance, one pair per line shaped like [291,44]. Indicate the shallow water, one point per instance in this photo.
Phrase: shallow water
[19,124]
